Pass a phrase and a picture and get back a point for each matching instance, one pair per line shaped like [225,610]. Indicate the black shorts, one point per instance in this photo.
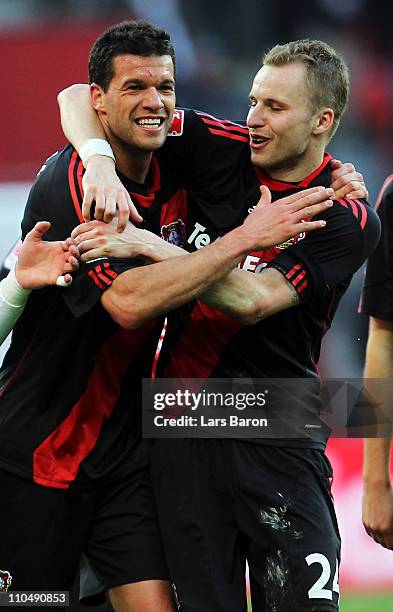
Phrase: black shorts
[224,502]
[45,531]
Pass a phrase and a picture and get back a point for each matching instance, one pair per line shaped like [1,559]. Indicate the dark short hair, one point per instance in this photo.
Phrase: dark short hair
[327,73]
[129,37]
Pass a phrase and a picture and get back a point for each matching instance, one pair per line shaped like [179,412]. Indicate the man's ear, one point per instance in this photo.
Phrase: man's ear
[97,95]
[324,121]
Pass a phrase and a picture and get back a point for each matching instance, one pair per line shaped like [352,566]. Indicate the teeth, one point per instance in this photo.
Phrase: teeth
[149,123]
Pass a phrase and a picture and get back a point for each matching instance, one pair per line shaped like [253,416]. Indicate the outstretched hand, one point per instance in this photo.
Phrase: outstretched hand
[272,223]
[42,263]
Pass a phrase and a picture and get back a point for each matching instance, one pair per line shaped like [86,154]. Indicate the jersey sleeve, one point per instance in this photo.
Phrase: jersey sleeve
[377,293]
[327,257]
[56,196]
[92,279]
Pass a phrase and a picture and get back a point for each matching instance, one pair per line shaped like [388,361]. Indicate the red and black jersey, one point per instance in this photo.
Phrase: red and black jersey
[70,382]
[377,294]
[224,188]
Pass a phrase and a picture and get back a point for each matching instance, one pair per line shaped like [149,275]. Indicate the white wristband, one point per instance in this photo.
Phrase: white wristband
[95,146]
[11,292]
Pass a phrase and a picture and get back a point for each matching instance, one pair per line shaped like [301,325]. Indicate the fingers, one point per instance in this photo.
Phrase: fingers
[310,226]
[352,190]
[93,254]
[335,164]
[266,196]
[83,228]
[309,197]
[124,211]
[100,200]
[92,243]
[133,213]
[311,211]
[88,199]
[39,230]
[64,281]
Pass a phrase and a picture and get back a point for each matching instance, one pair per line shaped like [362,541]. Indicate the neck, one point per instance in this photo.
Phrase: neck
[132,162]
[299,167]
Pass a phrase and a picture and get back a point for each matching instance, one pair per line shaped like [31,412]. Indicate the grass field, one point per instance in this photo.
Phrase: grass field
[365,603]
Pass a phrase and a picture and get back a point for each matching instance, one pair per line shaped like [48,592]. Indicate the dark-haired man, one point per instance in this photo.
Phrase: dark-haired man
[264,500]
[74,475]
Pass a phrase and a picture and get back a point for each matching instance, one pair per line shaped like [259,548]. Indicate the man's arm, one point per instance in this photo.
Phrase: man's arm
[244,295]
[146,292]
[101,184]
[378,491]
[39,264]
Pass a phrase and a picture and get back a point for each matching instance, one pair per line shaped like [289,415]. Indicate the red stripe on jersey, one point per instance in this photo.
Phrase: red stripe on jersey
[224,122]
[387,182]
[299,277]
[265,179]
[108,271]
[302,286]
[226,135]
[79,174]
[293,270]
[71,182]
[104,279]
[354,209]
[56,461]
[229,128]
[206,328]
[363,209]
[95,279]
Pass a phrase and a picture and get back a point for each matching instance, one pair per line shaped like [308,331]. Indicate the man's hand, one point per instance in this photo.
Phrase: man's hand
[98,239]
[378,513]
[347,182]
[271,223]
[43,263]
[102,186]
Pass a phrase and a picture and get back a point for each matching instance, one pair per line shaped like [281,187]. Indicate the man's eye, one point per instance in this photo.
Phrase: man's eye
[252,103]
[276,108]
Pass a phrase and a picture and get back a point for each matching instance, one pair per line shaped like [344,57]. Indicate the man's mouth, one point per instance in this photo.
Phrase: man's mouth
[150,123]
[256,140]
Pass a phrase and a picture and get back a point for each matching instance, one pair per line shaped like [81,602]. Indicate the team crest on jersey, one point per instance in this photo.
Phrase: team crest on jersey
[174,233]
[291,241]
[177,124]
[5,581]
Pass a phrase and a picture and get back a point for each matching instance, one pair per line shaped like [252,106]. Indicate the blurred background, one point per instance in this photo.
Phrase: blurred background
[44,46]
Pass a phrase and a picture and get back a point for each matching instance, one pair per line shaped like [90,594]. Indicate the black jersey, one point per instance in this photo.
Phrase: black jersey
[377,294]
[224,188]
[70,382]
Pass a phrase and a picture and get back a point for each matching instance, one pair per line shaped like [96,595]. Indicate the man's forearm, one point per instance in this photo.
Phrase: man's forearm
[137,295]
[78,118]
[379,369]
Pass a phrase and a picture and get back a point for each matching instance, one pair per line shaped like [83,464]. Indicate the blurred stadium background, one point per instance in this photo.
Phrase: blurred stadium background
[44,46]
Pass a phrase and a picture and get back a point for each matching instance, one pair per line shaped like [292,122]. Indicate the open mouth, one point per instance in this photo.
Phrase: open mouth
[258,140]
[150,123]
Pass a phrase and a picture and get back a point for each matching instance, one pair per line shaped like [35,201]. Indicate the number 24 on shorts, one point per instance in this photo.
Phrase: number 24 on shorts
[318,590]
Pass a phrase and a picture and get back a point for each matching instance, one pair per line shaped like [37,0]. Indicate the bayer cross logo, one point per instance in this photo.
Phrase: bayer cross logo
[5,581]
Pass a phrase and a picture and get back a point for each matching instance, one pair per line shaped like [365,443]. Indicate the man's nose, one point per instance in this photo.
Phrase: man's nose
[152,99]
